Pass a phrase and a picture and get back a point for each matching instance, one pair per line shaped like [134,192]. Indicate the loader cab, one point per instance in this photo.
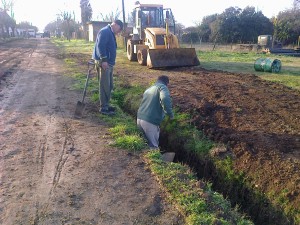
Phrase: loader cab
[151,15]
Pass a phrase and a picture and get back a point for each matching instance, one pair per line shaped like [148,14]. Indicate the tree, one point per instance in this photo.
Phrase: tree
[253,24]
[288,25]
[208,27]
[51,27]
[86,13]
[229,25]
[7,6]
[110,17]
[234,25]
[26,25]
[190,35]
[7,21]
[67,18]
[179,29]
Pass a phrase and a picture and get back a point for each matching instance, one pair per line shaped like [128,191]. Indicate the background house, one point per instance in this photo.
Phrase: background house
[93,29]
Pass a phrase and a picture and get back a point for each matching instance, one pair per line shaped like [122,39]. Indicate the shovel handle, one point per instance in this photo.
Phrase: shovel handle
[85,87]
[91,62]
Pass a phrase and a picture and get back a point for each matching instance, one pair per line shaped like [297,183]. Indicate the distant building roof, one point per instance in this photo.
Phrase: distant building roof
[98,22]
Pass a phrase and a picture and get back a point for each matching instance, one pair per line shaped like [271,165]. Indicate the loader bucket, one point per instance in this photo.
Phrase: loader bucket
[175,57]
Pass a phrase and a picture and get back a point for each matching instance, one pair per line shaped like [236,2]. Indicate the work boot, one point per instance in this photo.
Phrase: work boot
[107,112]
[111,108]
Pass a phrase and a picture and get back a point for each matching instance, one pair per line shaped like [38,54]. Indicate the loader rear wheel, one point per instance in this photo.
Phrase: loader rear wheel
[142,57]
[130,54]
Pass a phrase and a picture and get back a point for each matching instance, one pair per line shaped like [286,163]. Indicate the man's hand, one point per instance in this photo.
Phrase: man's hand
[104,65]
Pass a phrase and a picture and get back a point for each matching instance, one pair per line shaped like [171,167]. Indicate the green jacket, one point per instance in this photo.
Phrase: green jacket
[155,104]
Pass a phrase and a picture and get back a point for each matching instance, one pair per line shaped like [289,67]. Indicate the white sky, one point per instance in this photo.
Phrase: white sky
[187,12]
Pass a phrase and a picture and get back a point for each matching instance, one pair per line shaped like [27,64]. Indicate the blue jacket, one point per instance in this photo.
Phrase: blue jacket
[105,48]
[155,104]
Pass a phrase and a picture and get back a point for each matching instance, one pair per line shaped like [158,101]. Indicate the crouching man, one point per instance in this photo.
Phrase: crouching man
[155,105]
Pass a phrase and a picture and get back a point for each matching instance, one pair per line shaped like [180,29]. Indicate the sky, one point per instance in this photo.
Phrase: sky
[187,12]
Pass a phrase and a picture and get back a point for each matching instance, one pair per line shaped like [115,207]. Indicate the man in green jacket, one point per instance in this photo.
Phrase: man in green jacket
[156,103]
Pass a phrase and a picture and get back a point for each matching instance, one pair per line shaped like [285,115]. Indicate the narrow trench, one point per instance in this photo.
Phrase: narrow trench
[255,205]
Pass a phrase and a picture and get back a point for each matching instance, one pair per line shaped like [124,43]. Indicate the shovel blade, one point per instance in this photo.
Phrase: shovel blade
[168,156]
[79,110]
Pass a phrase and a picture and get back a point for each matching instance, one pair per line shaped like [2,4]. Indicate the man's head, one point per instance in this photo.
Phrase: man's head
[164,79]
[117,26]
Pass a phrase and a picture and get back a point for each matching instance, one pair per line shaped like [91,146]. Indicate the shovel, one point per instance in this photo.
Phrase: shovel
[168,156]
[80,104]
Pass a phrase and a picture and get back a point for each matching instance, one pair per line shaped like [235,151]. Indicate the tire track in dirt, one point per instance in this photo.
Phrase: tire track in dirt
[33,121]
[67,147]
[62,148]
[41,155]
[12,55]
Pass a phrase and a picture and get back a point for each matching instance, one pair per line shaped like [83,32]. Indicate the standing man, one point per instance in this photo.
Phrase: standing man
[104,54]
[155,104]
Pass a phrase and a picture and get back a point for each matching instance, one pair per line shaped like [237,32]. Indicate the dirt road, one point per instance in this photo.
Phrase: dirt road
[58,170]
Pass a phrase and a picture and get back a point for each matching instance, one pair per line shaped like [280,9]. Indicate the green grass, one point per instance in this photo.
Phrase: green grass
[75,46]
[243,63]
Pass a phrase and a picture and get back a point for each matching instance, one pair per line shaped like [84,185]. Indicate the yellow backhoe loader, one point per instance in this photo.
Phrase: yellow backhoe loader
[152,43]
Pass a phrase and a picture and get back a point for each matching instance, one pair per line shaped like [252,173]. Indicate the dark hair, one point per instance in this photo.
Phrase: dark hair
[120,23]
[164,79]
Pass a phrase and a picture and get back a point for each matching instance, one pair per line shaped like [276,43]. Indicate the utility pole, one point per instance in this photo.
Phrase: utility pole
[124,29]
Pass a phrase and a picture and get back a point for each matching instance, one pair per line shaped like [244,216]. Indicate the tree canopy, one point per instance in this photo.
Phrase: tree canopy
[236,25]
[86,11]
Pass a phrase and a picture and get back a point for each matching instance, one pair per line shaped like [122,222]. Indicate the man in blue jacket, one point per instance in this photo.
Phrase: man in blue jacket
[156,103]
[104,54]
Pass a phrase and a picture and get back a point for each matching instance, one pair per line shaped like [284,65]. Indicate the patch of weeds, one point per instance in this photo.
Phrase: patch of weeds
[133,142]
[229,174]
[124,131]
[119,96]
[233,182]
[282,200]
[95,97]
[199,144]
[180,131]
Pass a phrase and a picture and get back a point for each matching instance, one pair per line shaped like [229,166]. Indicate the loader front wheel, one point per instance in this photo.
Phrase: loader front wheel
[142,57]
[130,53]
